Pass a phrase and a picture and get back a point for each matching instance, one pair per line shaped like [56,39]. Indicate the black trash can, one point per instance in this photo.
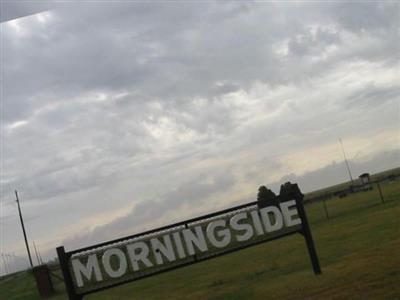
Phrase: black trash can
[43,281]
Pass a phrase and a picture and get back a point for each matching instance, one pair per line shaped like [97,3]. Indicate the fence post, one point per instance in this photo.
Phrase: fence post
[325,209]
[69,285]
[380,191]
[306,230]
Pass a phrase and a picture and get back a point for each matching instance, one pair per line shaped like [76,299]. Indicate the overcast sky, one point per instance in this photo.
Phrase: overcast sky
[118,117]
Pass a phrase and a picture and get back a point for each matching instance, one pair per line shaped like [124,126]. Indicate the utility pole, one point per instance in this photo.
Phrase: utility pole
[40,257]
[23,230]
[345,159]
[37,253]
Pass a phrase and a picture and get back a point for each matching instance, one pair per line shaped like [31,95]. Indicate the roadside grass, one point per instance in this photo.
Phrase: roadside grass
[358,249]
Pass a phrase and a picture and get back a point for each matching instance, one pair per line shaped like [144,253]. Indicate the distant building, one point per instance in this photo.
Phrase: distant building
[364,178]
[364,183]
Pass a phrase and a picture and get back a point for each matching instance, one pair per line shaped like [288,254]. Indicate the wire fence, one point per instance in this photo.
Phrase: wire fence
[11,263]
[349,200]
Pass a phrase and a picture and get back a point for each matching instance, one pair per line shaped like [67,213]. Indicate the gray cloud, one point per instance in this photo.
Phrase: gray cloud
[112,47]
[364,16]
[372,95]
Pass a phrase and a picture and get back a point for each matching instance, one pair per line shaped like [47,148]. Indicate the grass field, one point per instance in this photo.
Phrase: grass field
[358,248]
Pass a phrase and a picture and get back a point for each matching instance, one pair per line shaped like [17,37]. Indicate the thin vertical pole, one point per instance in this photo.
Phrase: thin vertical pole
[347,163]
[69,285]
[36,253]
[307,233]
[5,264]
[23,230]
[380,191]
[10,263]
[40,257]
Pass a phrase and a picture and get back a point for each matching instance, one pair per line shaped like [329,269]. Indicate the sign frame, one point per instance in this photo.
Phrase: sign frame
[304,230]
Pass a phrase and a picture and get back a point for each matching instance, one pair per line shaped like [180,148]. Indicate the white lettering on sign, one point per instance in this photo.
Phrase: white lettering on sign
[194,239]
[122,264]
[289,211]
[92,266]
[272,218]
[166,249]
[248,230]
[224,234]
[141,256]
[227,231]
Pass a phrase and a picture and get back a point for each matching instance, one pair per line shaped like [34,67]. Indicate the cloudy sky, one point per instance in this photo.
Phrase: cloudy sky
[122,116]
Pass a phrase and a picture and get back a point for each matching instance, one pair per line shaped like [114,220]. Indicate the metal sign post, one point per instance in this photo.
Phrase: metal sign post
[306,232]
[69,285]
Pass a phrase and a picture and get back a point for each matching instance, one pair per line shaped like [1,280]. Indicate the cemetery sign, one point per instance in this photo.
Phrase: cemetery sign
[123,260]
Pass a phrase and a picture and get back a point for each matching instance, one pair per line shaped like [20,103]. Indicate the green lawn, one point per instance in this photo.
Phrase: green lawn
[358,249]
